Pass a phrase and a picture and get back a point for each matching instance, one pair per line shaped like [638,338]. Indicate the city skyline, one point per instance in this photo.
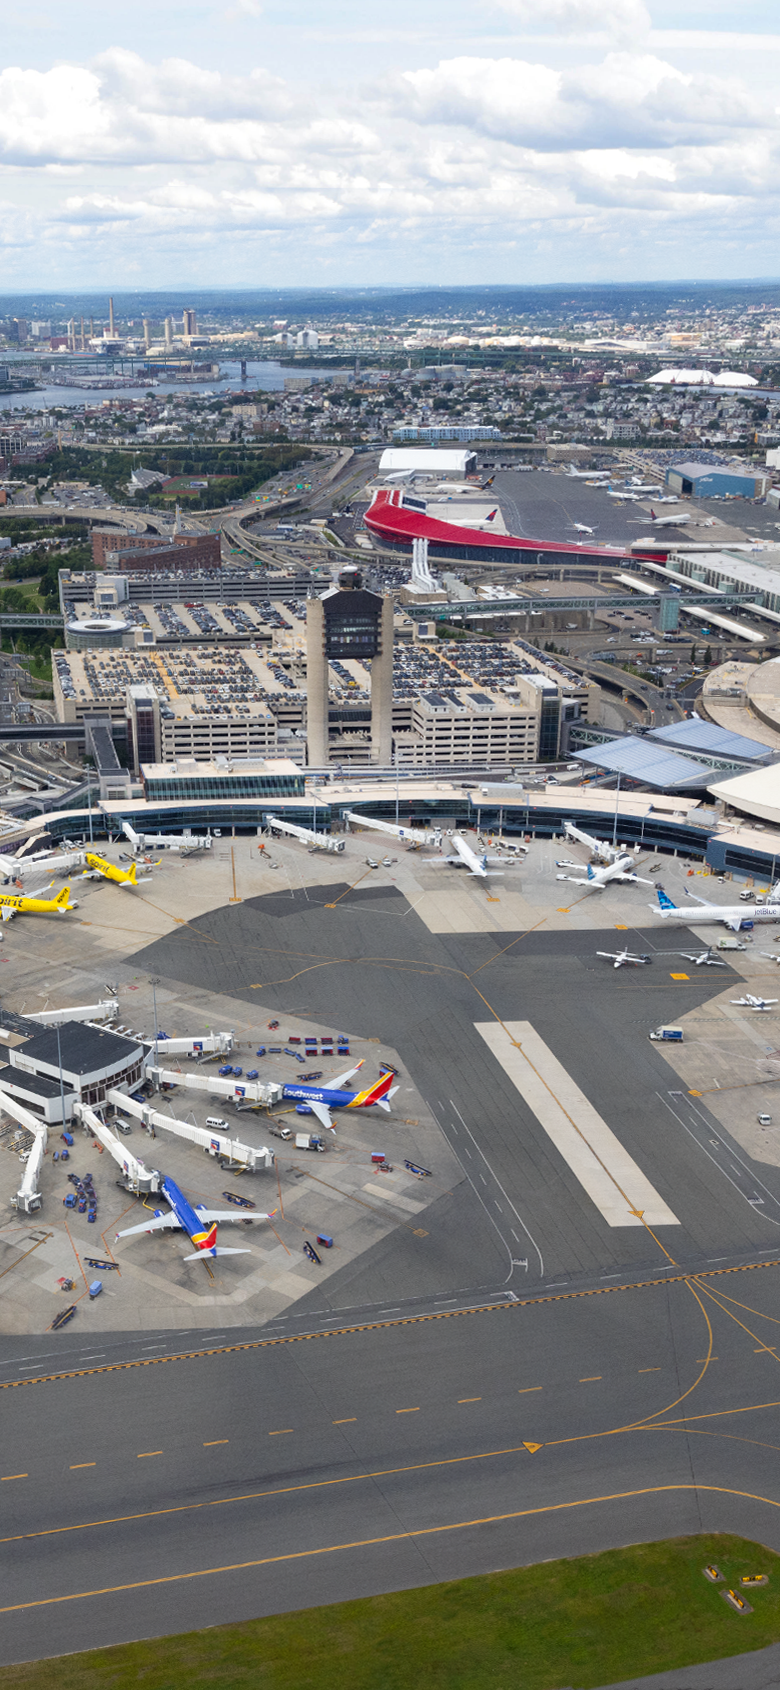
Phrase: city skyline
[239,145]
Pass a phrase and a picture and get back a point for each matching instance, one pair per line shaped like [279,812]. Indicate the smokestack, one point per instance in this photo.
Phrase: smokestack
[82,334]
[169,331]
[111,318]
[147,333]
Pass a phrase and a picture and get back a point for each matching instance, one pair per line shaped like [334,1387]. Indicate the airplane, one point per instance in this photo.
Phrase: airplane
[597,847]
[587,474]
[617,958]
[732,915]
[101,867]
[415,836]
[623,493]
[466,857]
[321,841]
[681,519]
[703,958]
[319,1100]
[639,487]
[491,514]
[598,878]
[184,842]
[10,905]
[582,528]
[485,484]
[199,1223]
[749,1002]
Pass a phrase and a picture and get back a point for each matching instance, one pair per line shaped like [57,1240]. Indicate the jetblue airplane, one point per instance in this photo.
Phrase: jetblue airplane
[316,1100]
[199,1223]
[732,915]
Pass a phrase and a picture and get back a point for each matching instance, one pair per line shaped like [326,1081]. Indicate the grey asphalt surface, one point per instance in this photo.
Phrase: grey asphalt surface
[377,1437]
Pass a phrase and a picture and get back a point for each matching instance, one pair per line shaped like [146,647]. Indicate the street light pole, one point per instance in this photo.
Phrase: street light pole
[62,1087]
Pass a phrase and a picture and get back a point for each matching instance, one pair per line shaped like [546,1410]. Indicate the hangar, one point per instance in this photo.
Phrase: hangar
[405,460]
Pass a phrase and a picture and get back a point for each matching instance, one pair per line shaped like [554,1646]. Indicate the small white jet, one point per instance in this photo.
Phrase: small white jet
[704,959]
[582,528]
[618,958]
[623,493]
[587,474]
[600,848]
[681,519]
[750,1002]
[598,878]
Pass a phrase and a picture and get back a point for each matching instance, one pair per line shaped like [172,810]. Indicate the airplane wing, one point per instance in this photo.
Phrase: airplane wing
[341,1079]
[211,1215]
[695,897]
[158,1223]
[8,914]
[635,879]
[322,1112]
[596,885]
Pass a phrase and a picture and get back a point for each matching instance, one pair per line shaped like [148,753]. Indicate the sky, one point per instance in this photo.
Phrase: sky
[261,143]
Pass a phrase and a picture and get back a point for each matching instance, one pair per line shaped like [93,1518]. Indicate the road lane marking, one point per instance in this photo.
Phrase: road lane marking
[524,1389]
[350,1421]
[214,1441]
[281,1433]
[652,1369]
[390,1537]
[469,1399]
[407,1411]
[77,1465]
[680,1278]
[6,1478]
[613,1181]
[592,1379]
[147,1454]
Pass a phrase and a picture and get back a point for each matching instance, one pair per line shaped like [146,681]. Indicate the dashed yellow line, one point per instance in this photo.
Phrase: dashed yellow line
[381,1325]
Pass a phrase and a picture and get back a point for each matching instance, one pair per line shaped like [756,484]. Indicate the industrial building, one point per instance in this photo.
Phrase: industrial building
[395,461]
[709,481]
[203,550]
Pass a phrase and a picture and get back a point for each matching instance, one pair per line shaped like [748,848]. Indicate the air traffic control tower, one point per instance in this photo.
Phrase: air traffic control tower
[348,621]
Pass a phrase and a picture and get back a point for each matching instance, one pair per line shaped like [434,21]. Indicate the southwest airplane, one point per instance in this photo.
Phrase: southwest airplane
[598,878]
[199,1223]
[732,915]
[109,871]
[319,1101]
[11,905]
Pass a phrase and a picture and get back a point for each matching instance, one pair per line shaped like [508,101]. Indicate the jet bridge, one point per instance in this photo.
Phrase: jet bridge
[233,1091]
[214,1143]
[105,1011]
[307,836]
[28,1197]
[206,1044]
[137,1177]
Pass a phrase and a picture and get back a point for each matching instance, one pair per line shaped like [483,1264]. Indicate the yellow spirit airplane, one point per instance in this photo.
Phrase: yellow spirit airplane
[11,904]
[109,871]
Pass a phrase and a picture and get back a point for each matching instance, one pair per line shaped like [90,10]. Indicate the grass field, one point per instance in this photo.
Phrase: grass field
[584,1623]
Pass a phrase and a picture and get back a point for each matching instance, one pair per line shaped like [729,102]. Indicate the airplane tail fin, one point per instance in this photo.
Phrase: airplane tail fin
[379,1090]
[209,1240]
[62,899]
[652,513]
[492,514]
[664,900]
[131,876]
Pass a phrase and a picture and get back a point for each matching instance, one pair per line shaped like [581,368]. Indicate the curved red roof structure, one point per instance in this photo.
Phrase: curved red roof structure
[398,524]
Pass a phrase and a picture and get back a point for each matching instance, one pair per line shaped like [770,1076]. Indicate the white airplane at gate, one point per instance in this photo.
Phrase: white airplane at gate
[465,857]
[598,878]
[732,915]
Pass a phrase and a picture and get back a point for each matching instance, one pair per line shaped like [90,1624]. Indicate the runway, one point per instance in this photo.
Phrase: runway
[172,1494]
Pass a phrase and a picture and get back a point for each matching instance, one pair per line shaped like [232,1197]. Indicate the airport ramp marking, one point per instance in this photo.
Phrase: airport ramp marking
[611,1177]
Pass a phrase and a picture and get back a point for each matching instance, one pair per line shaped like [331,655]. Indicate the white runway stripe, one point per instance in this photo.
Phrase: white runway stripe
[601,1164]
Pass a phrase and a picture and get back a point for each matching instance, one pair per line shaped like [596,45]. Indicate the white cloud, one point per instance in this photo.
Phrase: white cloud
[614,18]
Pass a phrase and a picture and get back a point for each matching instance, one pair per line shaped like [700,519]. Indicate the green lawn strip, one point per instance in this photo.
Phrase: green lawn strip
[586,1622]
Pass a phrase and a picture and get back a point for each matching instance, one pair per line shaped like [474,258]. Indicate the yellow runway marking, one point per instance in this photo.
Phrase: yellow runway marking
[657,1369]
[350,1421]
[77,1465]
[469,1399]
[407,1411]
[526,1388]
[281,1433]
[147,1453]
[592,1379]
[7,1477]
[390,1537]
[214,1441]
